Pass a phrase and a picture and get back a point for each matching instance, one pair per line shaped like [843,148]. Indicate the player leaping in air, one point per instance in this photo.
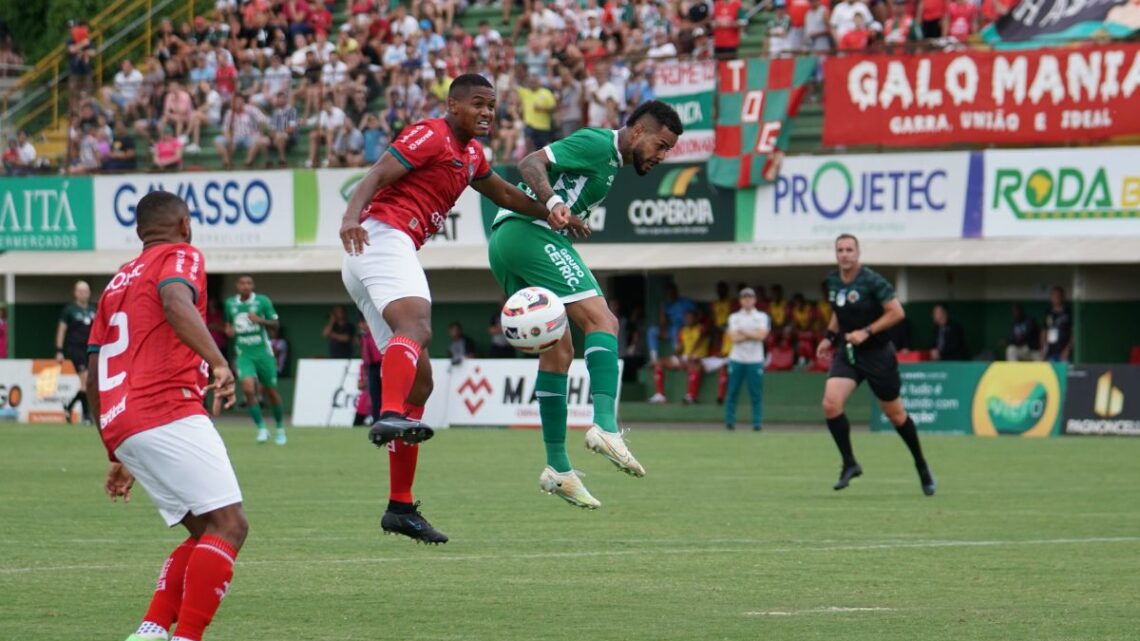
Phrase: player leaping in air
[402,200]
[149,354]
[574,175]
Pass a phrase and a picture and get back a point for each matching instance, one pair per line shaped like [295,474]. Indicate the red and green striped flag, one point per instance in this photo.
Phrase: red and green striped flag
[756,100]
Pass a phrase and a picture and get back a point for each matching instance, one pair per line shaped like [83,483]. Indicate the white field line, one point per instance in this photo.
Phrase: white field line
[828,610]
[895,545]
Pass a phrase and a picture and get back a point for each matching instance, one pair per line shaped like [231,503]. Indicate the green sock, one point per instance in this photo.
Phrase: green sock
[255,412]
[279,416]
[551,391]
[602,364]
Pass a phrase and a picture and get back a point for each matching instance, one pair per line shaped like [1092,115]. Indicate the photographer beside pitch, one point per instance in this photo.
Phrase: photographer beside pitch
[865,307]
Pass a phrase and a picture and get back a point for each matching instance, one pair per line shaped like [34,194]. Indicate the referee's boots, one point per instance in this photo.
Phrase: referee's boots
[849,472]
[929,486]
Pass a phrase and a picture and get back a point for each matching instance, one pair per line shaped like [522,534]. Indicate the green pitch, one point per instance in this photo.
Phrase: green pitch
[734,536]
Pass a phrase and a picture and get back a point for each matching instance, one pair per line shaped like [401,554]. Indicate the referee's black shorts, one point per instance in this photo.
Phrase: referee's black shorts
[877,365]
[77,354]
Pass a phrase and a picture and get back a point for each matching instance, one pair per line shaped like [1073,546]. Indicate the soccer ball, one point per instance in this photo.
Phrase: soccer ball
[533,320]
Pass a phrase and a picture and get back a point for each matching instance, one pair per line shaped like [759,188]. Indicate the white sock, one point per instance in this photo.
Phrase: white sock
[151,631]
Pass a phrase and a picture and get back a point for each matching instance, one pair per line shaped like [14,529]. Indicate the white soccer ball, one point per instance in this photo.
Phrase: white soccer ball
[533,320]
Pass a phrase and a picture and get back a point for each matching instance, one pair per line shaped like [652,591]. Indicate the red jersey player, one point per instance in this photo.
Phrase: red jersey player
[402,200]
[149,354]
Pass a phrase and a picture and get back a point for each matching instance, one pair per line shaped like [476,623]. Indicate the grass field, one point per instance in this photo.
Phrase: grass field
[734,536]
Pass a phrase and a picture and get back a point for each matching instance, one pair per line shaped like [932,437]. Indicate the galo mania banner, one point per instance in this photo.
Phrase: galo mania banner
[1039,97]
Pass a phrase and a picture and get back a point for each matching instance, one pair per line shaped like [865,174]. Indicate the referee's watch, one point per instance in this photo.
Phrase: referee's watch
[869,331]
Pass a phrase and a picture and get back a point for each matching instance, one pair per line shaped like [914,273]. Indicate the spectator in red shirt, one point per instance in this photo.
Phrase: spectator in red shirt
[320,19]
[797,12]
[931,12]
[225,78]
[961,19]
[858,38]
[994,9]
[728,22]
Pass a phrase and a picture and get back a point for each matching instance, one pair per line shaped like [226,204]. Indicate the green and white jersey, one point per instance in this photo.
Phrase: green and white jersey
[582,170]
[250,338]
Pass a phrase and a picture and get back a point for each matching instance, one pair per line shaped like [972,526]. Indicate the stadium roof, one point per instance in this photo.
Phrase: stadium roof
[634,257]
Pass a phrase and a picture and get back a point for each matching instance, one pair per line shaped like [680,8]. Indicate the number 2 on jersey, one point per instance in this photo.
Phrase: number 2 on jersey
[111,350]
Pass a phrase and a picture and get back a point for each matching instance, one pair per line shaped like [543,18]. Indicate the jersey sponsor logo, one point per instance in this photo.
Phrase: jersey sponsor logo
[111,414]
[421,140]
[211,202]
[125,278]
[571,272]
[853,297]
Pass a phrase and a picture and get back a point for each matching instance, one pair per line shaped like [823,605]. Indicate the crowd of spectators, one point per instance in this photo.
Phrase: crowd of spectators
[259,75]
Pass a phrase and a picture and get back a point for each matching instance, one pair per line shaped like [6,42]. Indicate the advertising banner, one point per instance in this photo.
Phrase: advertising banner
[987,97]
[331,389]
[230,209]
[34,391]
[1038,23]
[335,186]
[1062,192]
[984,399]
[46,214]
[501,392]
[903,196]
[1103,399]
[674,203]
[756,102]
[689,88]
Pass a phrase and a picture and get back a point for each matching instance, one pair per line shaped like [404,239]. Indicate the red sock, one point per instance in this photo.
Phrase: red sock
[168,590]
[402,460]
[694,382]
[398,371]
[722,383]
[659,379]
[208,574]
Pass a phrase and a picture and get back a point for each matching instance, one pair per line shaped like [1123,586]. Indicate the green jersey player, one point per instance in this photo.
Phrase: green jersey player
[575,174]
[247,317]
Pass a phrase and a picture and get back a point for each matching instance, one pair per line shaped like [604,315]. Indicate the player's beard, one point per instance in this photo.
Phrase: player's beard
[639,163]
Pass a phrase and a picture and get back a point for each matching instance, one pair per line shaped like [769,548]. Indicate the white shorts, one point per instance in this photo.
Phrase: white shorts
[388,270]
[183,466]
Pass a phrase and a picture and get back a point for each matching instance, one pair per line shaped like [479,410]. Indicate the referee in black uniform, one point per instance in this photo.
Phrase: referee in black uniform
[71,342]
[865,307]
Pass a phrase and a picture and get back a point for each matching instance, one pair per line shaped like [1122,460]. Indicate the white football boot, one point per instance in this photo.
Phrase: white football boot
[612,446]
[568,487]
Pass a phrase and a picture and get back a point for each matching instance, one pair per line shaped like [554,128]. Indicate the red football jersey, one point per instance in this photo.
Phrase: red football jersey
[418,203]
[147,376]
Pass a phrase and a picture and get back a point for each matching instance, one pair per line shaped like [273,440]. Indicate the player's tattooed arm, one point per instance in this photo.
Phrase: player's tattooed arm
[533,170]
[510,197]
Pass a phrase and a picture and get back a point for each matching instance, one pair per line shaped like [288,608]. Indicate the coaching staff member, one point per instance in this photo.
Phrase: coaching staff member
[865,306]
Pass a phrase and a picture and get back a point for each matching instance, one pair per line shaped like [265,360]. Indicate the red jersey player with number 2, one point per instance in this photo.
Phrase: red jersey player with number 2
[149,354]
[402,200]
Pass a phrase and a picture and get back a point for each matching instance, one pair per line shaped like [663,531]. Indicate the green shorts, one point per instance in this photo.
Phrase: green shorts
[523,254]
[261,366]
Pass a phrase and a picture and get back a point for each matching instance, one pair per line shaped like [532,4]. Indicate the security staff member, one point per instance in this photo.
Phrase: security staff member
[865,306]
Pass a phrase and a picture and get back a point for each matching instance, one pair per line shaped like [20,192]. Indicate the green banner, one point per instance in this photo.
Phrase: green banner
[674,203]
[985,399]
[46,214]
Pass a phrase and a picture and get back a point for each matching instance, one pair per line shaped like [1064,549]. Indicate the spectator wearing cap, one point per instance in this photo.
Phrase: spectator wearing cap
[747,329]
[728,21]
[538,106]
